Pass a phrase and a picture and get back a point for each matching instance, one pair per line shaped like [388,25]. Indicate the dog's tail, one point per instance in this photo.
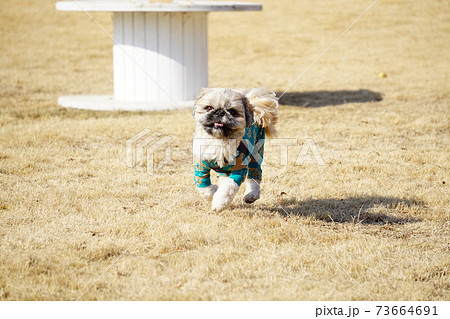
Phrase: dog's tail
[265,109]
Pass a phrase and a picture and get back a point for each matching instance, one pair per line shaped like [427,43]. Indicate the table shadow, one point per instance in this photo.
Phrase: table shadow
[328,98]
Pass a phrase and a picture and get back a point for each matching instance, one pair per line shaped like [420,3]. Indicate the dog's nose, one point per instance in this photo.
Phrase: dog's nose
[220,113]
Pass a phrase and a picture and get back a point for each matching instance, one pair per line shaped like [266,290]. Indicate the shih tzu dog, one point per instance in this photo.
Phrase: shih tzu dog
[231,126]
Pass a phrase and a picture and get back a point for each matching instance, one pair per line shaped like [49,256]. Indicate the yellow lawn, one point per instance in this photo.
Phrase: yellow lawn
[373,222]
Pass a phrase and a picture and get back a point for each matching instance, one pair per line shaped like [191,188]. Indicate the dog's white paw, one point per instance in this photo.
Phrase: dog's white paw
[207,192]
[224,194]
[252,191]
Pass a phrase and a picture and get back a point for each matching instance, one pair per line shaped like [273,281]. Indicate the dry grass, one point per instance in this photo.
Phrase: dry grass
[69,206]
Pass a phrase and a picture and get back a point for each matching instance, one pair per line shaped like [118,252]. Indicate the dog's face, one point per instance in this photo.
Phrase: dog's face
[222,113]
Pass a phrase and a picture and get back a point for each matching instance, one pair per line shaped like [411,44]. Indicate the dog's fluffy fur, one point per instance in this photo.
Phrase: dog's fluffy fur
[221,117]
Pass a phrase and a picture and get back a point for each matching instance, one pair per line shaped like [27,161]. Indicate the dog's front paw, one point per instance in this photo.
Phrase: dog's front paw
[252,191]
[219,204]
[224,194]
[207,192]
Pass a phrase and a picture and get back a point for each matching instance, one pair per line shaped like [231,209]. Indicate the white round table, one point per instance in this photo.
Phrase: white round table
[160,52]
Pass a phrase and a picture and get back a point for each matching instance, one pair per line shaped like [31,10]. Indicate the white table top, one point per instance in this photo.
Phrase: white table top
[145,6]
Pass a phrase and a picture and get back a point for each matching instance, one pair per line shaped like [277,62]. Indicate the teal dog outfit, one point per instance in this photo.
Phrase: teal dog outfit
[247,162]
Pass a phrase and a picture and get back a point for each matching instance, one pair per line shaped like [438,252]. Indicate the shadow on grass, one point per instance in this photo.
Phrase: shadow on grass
[328,98]
[363,210]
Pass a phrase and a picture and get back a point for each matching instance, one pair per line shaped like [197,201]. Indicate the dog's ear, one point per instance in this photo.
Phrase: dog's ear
[248,112]
[199,96]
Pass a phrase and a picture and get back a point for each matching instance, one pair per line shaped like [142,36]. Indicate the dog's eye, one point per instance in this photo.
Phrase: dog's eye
[233,112]
[209,108]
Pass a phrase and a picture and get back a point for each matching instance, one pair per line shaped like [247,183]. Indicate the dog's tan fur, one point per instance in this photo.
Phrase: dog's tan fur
[265,108]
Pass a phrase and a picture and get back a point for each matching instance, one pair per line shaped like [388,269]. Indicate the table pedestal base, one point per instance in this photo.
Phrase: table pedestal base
[108,103]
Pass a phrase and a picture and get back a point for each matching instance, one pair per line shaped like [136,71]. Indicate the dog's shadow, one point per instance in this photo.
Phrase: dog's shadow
[328,98]
[362,210]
